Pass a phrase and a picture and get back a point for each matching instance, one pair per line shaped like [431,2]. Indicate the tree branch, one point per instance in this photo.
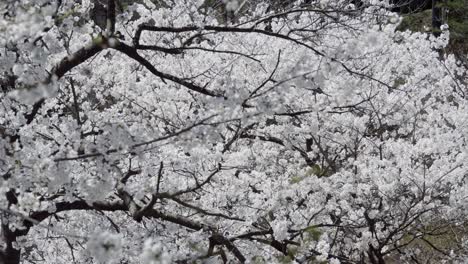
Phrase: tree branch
[132,53]
[110,21]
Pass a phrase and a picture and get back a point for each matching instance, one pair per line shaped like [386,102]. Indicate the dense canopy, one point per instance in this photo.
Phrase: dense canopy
[191,131]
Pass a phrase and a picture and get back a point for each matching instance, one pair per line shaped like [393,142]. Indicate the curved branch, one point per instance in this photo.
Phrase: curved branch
[75,59]
[132,53]
[141,28]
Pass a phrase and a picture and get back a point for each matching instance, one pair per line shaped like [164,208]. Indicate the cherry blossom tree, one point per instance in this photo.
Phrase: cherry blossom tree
[308,133]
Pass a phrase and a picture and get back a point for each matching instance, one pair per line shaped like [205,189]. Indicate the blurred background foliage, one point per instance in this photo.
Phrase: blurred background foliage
[454,14]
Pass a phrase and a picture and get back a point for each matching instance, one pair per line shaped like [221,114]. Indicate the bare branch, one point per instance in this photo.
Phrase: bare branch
[98,154]
[132,53]
[141,28]
[203,211]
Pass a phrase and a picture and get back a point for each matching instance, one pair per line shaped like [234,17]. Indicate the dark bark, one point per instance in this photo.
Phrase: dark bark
[375,257]
[410,6]
[70,62]
[10,256]
[436,17]
[8,82]
[132,53]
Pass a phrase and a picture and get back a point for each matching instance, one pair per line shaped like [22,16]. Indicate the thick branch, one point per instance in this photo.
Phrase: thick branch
[132,53]
[64,66]
[103,206]
[75,59]
[110,21]
[136,39]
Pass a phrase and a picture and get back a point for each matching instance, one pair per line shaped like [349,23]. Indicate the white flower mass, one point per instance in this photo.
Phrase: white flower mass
[230,131]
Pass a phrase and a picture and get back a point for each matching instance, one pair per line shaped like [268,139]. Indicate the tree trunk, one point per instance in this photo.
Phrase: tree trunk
[436,17]
[10,256]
